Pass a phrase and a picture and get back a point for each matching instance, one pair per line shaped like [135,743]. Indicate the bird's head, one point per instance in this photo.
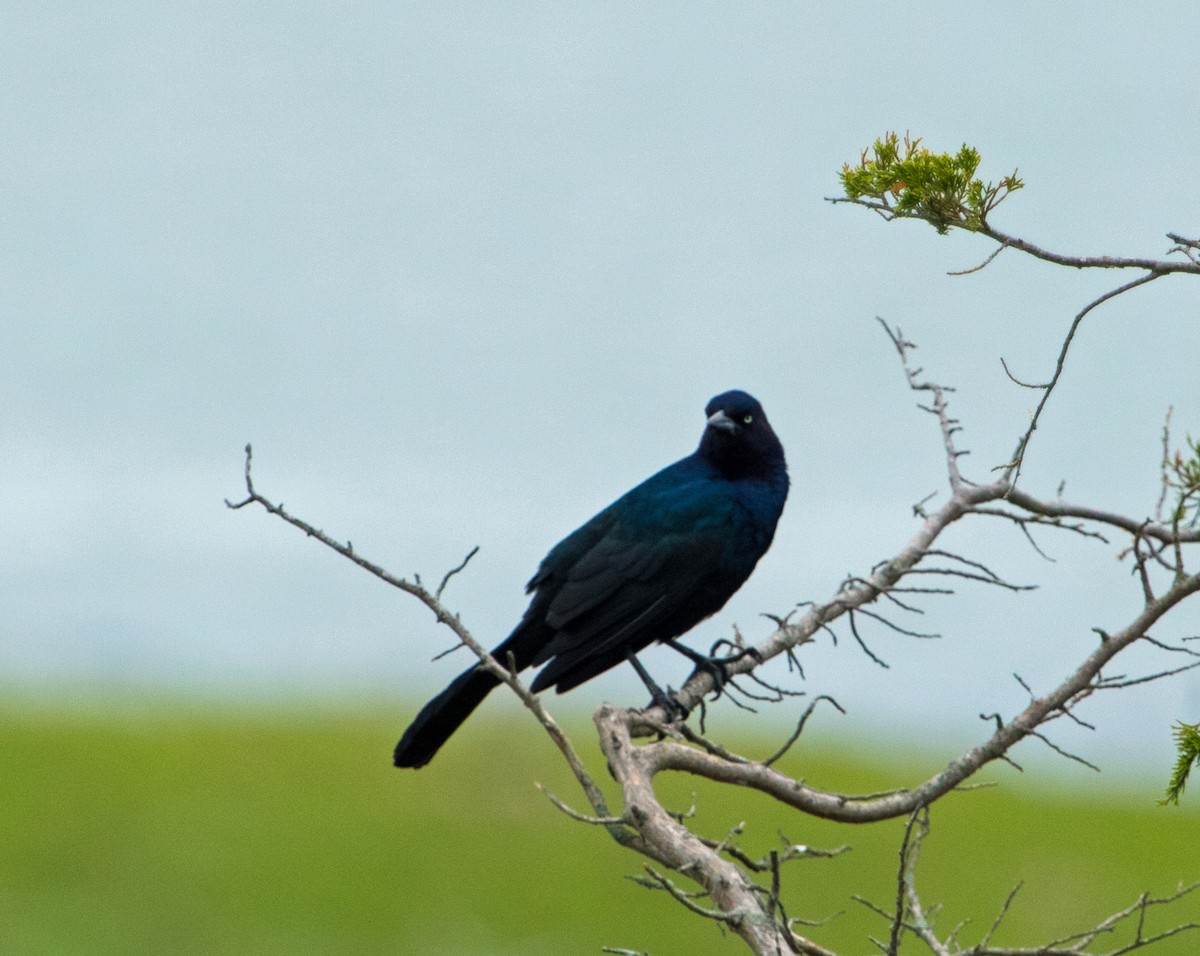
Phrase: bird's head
[738,439]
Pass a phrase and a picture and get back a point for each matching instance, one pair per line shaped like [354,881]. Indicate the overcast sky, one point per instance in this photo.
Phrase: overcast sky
[464,273]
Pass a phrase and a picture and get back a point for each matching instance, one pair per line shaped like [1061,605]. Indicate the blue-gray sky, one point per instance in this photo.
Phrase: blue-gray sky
[463,273]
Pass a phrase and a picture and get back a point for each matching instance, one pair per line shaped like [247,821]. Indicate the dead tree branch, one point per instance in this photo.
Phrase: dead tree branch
[736,897]
[432,601]
[725,873]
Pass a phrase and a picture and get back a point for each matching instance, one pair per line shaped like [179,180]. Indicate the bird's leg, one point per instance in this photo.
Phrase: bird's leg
[658,697]
[716,667]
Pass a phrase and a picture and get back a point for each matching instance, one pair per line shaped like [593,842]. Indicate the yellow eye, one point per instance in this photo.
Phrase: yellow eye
[747,419]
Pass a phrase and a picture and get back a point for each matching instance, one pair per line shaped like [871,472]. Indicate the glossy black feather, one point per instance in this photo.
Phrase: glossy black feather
[647,568]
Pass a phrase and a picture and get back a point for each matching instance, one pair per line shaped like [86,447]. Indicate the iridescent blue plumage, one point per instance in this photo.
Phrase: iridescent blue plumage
[649,567]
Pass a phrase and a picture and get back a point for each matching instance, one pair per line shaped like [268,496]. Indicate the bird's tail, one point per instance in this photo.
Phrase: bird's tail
[442,716]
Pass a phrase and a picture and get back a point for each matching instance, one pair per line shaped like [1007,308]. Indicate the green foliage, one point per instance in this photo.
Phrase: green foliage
[901,178]
[1183,475]
[1187,739]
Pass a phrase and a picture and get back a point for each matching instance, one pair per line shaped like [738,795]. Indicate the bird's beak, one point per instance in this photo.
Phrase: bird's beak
[721,422]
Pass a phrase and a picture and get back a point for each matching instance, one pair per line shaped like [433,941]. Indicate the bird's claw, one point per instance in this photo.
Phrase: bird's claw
[669,704]
[718,667]
[715,668]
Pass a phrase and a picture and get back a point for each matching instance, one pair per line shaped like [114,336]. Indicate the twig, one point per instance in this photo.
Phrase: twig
[983,265]
[1164,465]
[1060,751]
[662,882]
[800,727]
[595,796]
[582,817]
[453,571]
[1012,470]
[903,876]
[1015,380]
[1008,901]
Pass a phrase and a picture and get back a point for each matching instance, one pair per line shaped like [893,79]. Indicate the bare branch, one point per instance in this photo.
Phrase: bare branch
[1015,380]
[861,643]
[455,570]
[1163,266]
[1024,521]
[1079,944]
[1187,247]
[1013,468]
[722,869]
[791,851]
[621,834]
[1164,466]
[666,755]
[987,937]
[737,902]
[581,817]
[983,265]
[1059,509]
[807,946]
[896,627]
[687,899]
[800,728]
[1060,751]
[914,832]
[1120,682]
[1153,269]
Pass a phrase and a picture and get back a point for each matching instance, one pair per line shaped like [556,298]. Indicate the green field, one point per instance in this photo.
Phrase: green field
[178,827]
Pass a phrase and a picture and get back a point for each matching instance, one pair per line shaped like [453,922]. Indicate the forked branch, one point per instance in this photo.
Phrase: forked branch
[635,766]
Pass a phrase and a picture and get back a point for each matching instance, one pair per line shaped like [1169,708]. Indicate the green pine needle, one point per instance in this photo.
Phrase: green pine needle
[906,180]
[1184,476]
[1187,739]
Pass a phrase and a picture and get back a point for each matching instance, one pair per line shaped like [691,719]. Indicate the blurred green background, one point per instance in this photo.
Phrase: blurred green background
[197,826]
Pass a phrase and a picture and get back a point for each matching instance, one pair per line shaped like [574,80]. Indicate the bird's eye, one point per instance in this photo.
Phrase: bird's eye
[747,419]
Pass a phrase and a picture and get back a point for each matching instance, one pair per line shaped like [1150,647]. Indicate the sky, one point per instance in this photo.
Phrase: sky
[464,273]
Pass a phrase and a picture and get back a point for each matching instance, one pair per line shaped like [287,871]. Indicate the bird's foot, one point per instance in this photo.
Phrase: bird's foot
[669,703]
[666,700]
[716,667]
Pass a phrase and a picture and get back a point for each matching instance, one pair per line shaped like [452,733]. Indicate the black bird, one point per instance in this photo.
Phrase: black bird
[649,567]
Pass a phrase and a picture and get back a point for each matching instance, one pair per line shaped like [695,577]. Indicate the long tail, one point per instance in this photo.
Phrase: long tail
[442,716]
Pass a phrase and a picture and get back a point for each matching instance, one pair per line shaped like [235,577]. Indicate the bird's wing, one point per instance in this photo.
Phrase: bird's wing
[641,575]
